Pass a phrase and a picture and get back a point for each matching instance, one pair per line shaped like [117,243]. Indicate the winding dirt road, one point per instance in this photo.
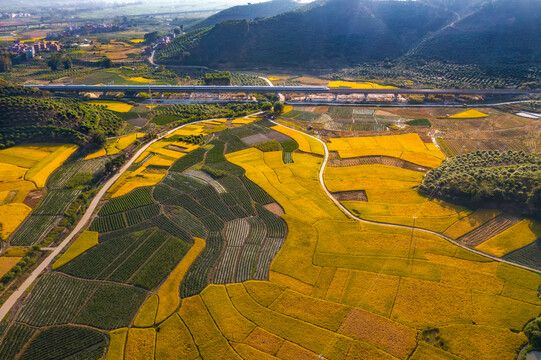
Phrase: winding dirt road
[351,215]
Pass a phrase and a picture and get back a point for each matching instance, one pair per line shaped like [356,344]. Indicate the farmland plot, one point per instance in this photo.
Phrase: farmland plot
[13,342]
[56,202]
[56,300]
[34,229]
[65,341]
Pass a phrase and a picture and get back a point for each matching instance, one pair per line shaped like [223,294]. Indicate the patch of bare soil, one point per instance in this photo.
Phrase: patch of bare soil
[275,209]
[356,195]
[138,121]
[176,148]
[33,198]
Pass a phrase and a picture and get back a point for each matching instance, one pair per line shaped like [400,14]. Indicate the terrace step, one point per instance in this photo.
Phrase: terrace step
[488,230]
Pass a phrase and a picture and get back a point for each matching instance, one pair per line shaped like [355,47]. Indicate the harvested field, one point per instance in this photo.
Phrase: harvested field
[488,230]
[383,160]
[351,195]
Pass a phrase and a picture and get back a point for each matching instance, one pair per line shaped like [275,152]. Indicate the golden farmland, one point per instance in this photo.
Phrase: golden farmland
[25,168]
[339,286]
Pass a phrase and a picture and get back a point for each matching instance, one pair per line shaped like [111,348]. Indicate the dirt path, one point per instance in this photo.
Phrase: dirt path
[351,215]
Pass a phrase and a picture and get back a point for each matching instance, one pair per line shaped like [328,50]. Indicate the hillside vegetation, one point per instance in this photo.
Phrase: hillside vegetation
[327,32]
[508,180]
[31,118]
[495,35]
[248,12]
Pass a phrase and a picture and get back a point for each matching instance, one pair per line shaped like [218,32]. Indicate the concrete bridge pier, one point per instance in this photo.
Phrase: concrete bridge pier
[335,97]
[395,97]
[365,98]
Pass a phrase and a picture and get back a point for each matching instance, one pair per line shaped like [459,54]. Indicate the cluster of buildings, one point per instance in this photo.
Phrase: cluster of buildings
[72,31]
[161,43]
[31,50]
[6,15]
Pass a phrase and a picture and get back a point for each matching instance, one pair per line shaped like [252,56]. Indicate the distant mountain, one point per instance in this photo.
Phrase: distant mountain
[321,34]
[342,33]
[248,12]
[503,31]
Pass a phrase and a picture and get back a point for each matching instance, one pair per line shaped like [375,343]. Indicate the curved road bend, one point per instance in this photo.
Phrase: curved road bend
[6,307]
[281,97]
[351,215]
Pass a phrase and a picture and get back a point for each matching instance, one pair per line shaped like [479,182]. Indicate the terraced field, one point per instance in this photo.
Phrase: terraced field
[196,265]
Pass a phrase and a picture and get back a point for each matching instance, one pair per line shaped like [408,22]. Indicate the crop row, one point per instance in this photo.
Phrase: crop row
[161,264]
[190,223]
[189,204]
[182,182]
[216,205]
[240,79]
[108,223]
[56,202]
[33,230]
[213,222]
[216,154]
[257,231]
[204,192]
[162,222]
[224,270]
[136,216]
[112,306]
[15,339]
[99,260]
[62,176]
[136,198]
[66,341]
[135,260]
[189,160]
[236,232]
[247,262]
[258,194]
[268,251]
[287,157]
[197,277]
[56,299]
[276,227]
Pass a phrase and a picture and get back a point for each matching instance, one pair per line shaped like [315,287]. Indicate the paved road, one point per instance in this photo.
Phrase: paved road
[281,96]
[351,215]
[10,302]
[276,89]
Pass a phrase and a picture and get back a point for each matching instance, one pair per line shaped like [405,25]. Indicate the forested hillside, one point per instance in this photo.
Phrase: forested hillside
[322,34]
[33,117]
[504,31]
[342,33]
[506,180]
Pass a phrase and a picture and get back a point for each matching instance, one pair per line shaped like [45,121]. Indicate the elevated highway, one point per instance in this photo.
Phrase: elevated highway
[277,90]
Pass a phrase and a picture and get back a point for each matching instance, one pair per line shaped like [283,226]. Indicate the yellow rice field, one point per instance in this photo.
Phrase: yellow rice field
[468,114]
[358,85]
[408,147]
[6,263]
[117,106]
[306,143]
[85,241]
[338,286]
[517,236]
